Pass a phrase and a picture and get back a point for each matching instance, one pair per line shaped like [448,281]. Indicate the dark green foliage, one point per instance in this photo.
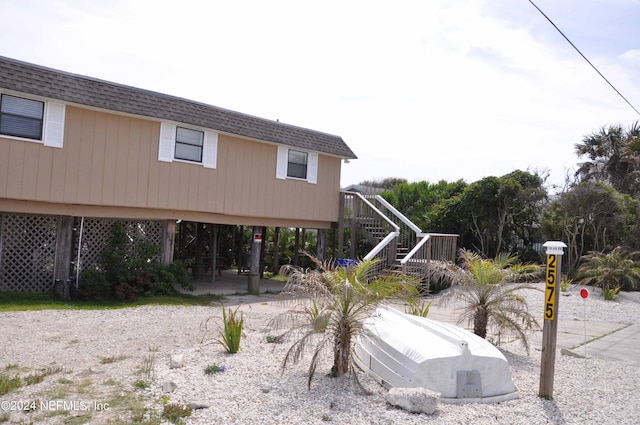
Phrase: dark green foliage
[613,157]
[592,217]
[491,215]
[610,271]
[419,201]
[128,271]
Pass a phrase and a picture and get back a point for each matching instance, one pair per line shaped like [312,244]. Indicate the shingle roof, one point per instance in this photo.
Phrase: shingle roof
[50,83]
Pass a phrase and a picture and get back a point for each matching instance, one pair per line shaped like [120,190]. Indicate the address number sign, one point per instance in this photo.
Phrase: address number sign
[550,293]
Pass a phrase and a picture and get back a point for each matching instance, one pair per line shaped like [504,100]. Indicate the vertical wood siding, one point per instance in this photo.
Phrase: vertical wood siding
[111,160]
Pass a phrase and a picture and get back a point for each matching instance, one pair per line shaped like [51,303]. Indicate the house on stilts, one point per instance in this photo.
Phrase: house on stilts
[78,153]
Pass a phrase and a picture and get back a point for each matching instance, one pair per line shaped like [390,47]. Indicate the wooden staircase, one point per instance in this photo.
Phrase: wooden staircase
[400,245]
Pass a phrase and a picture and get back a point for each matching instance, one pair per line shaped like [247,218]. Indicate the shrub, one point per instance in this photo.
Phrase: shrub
[125,272]
[487,296]
[611,271]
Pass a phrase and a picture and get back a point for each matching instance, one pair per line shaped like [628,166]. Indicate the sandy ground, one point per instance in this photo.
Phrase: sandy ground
[101,360]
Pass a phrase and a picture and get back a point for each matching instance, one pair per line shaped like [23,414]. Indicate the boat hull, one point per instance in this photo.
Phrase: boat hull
[403,351]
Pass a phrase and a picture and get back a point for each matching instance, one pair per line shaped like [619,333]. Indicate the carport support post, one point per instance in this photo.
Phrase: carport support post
[555,250]
[64,255]
[254,265]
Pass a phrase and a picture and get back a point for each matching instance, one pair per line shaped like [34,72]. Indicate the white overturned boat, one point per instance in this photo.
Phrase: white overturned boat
[402,350]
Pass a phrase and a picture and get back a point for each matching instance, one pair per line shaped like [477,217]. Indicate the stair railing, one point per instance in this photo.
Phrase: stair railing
[432,247]
[410,233]
[363,210]
[421,248]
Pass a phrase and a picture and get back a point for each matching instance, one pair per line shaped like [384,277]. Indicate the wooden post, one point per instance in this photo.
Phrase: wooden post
[199,269]
[63,259]
[168,240]
[214,252]
[550,327]
[276,251]
[238,237]
[341,227]
[296,247]
[333,241]
[254,268]
[321,244]
[263,251]
[355,212]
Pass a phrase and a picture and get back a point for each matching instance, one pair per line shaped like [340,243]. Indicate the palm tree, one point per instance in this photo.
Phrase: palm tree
[334,303]
[488,296]
[613,157]
[614,270]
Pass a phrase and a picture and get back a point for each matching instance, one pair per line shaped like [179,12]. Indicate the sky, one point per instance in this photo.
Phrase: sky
[424,90]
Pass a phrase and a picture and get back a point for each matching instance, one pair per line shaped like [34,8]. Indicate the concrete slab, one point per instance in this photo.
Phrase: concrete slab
[622,345]
[607,340]
[229,282]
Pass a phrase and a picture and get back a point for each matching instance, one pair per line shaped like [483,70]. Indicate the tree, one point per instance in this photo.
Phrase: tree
[386,184]
[497,213]
[419,201]
[610,271]
[614,157]
[592,216]
[334,303]
[488,297]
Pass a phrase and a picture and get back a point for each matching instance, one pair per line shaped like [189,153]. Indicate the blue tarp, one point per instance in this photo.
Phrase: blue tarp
[346,262]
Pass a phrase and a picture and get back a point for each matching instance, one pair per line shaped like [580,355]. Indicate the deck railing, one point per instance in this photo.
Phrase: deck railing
[379,229]
[397,239]
[432,247]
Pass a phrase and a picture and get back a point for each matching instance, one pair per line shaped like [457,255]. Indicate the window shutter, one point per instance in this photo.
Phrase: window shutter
[210,150]
[167,142]
[312,168]
[54,125]
[281,165]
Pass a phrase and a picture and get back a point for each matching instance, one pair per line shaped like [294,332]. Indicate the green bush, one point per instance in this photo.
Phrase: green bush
[125,272]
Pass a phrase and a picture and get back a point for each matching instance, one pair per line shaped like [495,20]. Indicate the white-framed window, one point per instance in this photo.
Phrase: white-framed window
[31,119]
[297,164]
[187,144]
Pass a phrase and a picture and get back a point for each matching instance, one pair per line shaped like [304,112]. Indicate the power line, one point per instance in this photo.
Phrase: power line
[584,57]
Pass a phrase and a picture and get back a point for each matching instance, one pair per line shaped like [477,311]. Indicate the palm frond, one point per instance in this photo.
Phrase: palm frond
[486,297]
[337,301]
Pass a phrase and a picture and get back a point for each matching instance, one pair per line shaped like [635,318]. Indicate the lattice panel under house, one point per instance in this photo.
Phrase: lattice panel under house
[27,252]
[96,233]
